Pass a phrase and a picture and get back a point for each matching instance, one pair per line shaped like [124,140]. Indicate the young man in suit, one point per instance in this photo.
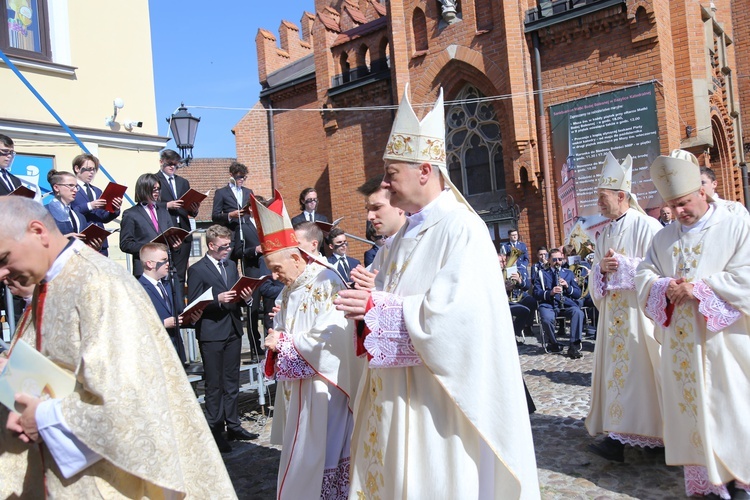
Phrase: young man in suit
[145,221]
[168,304]
[338,244]
[308,203]
[87,201]
[219,334]
[229,200]
[172,188]
[247,248]
[8,181]
[523,259]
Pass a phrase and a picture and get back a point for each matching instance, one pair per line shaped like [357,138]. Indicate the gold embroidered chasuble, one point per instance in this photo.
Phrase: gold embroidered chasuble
[705,381]
[456,426]
[132,405]
[625,396]
[313,418]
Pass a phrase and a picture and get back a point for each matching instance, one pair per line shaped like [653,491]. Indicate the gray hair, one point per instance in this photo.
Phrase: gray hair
[16,212]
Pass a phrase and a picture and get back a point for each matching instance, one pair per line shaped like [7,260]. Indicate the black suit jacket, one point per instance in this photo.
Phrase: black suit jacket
[218,320]
[181,186]
[225,202]
[250,259]
[136,229]
[300,218]
[351,262]
[163,310]
[13,179]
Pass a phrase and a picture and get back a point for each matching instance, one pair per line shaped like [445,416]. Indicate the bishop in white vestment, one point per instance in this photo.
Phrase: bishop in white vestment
[313,359]
[624,382]
[694,284]
[441,411]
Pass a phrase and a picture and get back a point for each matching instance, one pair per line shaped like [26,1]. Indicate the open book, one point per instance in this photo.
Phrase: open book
[23,191]
[94,231]
[199,304]
[327,226]
[29,371]
[193,196]
[247,282]
[172,231]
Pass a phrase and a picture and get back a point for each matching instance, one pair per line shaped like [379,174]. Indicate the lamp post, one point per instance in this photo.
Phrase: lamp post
[184,127]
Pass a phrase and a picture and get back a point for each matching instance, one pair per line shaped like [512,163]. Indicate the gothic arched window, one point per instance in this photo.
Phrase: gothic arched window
[473,144]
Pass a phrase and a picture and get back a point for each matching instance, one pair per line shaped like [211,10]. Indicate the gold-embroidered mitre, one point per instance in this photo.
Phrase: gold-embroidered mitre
[676,175]
[275,229]
[619,177]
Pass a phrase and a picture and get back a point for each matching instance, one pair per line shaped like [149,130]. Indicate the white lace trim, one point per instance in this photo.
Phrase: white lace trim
[336,482]
[697,483]
[718,313]
[291,366]
[636,440]
[656,305]
[599,290]
[624,277]
[388,342]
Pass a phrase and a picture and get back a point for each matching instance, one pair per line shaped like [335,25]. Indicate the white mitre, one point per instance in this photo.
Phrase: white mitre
[619,177]
[676,175]
[416,141]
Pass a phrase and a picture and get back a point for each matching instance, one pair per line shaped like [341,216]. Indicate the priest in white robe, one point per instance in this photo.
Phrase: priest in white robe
[625,395]
[132,427]
[312,356]
[708,181]
[694,284]
[441,411]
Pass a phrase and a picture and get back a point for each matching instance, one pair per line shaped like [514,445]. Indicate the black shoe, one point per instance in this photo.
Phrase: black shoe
[221,443]
[241,435]
[555,348]
[609,448]
[737,493]
[574,353]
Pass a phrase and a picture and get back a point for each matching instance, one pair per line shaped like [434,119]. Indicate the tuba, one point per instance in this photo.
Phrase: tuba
[516,294]
[581,271]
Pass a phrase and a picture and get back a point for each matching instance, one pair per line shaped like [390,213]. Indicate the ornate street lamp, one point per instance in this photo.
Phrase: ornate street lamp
[184,127]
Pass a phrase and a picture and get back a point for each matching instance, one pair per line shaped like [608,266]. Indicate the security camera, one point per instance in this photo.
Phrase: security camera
[130,124]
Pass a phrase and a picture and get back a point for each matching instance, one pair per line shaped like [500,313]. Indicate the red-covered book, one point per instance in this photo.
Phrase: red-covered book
[23,191]
[172,231]
[193,196]
[112,191]
[245,282]
[94,231]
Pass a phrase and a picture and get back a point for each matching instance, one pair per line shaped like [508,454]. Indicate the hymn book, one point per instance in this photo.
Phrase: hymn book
[23,191]
[193,196]
[112,191]
[199,304]
[247,282]
[172,231]
[327,226]
[29,371]
[94,231]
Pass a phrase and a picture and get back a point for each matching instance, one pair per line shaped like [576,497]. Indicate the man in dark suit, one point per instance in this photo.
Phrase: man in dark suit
[522,305]
[87,201]
[8,181]
[338,245]
[247,248]
[229,200]
[219,333]
[308,202]
[168,305]
[172,188]
[145,221]
[507,248]
[557,294]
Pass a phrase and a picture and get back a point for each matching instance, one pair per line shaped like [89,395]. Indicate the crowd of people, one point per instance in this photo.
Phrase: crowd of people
[382,367]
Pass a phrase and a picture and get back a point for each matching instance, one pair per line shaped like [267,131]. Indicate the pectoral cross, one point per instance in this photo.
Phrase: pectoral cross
[684,269]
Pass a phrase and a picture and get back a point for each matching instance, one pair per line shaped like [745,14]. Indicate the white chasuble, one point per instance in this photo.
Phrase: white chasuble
[705,369]
[625,395]
[318,374]
[132,405]
[456,426]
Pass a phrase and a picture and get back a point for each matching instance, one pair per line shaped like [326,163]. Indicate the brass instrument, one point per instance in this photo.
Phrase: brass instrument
[516,294]
[581,271]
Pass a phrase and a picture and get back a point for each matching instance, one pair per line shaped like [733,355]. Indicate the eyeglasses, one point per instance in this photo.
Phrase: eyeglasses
[240,177]
[7,152]
[311,200]
[156,188]
[87,169]
[557,259]
[72,187]
[170,164]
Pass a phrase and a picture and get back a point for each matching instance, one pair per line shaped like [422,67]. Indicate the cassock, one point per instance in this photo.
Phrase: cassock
[456,425]
[705,344]
[132,405]
[318,375]
[625,397]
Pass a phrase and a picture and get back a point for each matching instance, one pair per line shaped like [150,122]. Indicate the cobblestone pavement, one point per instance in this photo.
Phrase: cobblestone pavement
[560,388]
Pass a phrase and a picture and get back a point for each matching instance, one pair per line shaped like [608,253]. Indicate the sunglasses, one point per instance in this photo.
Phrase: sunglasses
[557,259]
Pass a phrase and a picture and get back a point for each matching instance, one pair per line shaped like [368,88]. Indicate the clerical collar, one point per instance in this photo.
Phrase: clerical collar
[698,226]
[414,221]
[74,246]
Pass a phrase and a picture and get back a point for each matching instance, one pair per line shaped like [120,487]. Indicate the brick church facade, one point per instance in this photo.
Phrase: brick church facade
[330,88]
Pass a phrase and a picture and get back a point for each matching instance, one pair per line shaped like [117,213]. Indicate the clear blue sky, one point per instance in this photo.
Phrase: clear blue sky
[206,57]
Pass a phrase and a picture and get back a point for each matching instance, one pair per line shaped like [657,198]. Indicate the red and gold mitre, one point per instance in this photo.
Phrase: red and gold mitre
[274,226]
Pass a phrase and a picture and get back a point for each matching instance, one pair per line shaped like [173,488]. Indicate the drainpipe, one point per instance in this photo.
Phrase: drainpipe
[271,143]
[544,145]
